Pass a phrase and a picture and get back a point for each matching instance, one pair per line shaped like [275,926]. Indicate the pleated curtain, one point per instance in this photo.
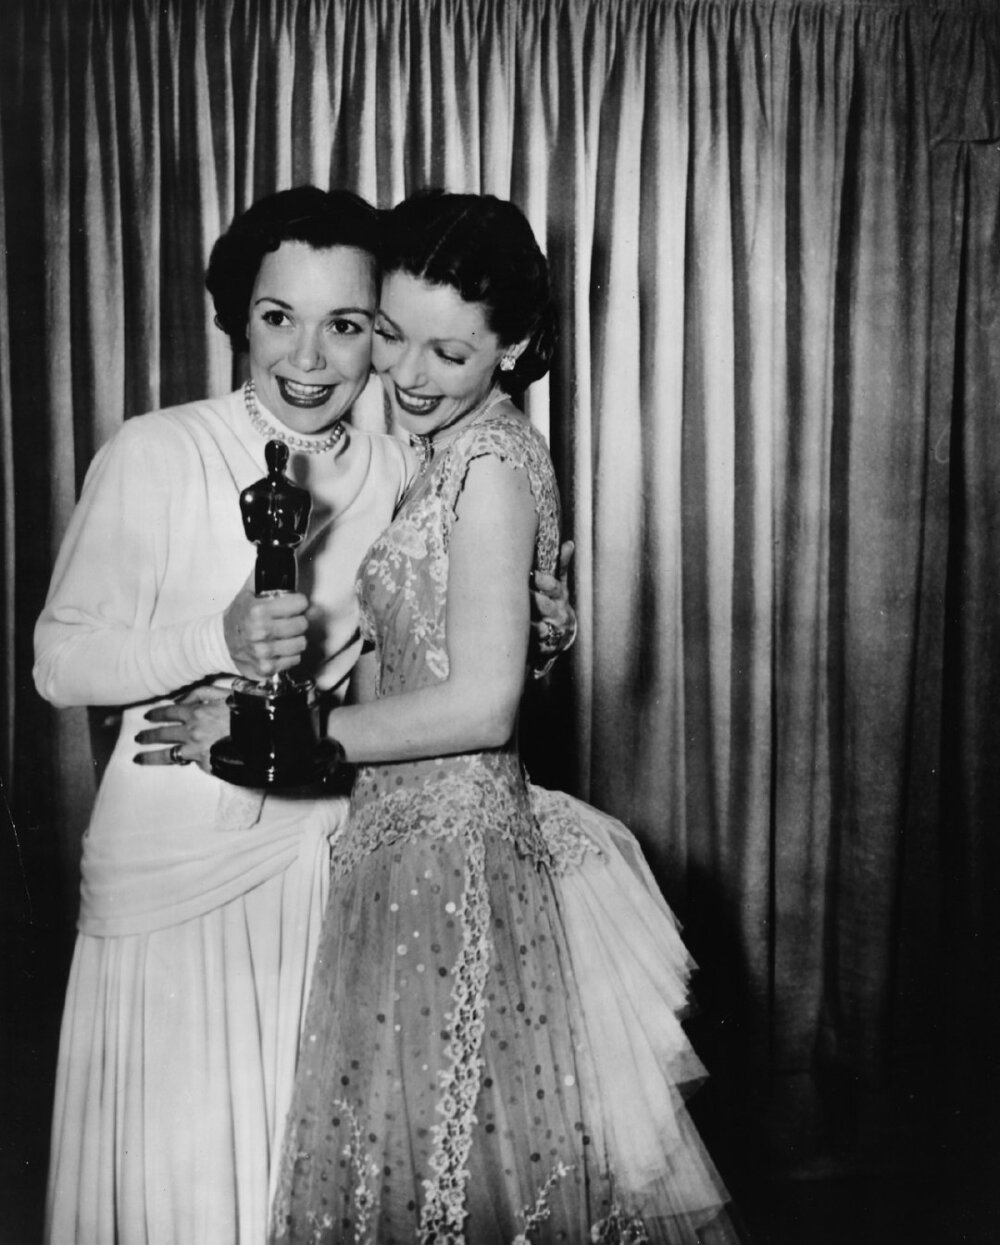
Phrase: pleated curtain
[775,239]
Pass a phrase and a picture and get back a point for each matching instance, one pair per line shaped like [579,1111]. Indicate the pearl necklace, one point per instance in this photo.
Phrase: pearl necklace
[308,445]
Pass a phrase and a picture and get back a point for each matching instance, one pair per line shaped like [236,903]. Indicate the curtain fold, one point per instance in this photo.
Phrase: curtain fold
[8,679]
[775,245]
[969,854]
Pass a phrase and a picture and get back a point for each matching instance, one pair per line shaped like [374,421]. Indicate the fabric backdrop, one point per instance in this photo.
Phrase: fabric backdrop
[774,229]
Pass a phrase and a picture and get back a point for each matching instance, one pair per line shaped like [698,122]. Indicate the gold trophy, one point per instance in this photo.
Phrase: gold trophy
[273,738]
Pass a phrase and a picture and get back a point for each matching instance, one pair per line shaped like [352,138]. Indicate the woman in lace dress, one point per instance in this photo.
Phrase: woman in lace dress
[491,1051]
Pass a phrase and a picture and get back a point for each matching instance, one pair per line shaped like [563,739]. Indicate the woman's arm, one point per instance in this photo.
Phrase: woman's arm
[361,690]
[94,642]
[491,553]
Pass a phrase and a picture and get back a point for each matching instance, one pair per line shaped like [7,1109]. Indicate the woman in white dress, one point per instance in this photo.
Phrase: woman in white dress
[201,902]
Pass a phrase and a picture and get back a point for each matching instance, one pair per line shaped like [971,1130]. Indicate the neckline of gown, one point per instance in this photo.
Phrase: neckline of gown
[431,445]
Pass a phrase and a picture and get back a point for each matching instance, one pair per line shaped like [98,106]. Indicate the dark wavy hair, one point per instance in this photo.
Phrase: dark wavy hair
[484,249]
[320,218]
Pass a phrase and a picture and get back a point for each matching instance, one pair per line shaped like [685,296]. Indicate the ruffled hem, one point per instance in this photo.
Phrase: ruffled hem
[631,972]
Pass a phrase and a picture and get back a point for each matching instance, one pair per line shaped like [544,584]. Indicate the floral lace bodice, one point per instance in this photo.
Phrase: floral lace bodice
[403,581]
[403,589]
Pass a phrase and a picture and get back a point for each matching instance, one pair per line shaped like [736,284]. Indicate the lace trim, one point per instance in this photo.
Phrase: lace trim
[365,1171]
[536,1216]
[619,1228]
[444,1210]
[440,805]
[567,844]
[513,440]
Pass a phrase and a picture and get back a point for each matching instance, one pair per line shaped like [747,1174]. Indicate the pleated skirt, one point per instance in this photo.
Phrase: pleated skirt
[177,1056]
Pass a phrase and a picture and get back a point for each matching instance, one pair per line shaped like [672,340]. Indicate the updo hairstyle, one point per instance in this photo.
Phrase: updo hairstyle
[482,247]
[319,218]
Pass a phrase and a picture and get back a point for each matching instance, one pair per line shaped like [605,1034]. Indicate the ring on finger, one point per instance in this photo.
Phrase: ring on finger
[176,758]
[552,636]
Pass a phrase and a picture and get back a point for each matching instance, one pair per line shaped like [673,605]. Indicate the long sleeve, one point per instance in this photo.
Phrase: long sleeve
[113,631]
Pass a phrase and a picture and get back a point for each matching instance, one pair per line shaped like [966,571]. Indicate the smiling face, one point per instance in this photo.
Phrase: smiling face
[434,352]
[310,333]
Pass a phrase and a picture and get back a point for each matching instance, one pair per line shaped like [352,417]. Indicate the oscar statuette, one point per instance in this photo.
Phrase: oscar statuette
[273,736]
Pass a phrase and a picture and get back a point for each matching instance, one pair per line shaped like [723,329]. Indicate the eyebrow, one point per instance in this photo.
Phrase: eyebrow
[334,311]
[434,341]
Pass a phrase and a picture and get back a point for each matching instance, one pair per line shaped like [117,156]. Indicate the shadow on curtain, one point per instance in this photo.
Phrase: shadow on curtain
[775,238]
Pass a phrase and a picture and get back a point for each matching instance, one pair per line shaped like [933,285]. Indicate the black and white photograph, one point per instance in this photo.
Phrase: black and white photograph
[500,622]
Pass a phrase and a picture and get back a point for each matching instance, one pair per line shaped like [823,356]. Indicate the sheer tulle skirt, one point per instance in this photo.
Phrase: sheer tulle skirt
[492,1050]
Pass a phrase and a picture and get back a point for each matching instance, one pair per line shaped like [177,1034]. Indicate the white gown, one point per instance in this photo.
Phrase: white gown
[201,903]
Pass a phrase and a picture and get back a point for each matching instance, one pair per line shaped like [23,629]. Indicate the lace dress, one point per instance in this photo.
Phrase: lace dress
[491,1051]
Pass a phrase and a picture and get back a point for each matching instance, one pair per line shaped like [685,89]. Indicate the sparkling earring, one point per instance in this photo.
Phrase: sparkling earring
[507,363]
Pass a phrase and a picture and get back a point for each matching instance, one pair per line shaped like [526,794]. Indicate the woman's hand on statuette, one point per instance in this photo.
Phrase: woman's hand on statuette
[265,634]
[186,729]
